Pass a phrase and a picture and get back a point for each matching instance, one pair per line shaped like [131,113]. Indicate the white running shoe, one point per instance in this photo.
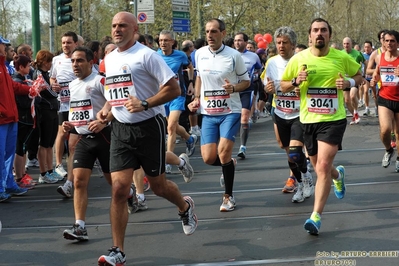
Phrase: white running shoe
[228,204]
[298,196]
[186,170]
[65,190]
[168,168]
[60,170]
[308,188]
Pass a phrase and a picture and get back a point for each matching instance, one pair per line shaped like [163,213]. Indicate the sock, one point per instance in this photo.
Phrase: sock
[315,216]
[182,163]
[43,174]
[397,158]
[50,171]
[190,139]
[140,196]
[130,192]
[244,134]
[339,176]
[228,173]
[80,223]
[217,162]
[68,183]
[390,150]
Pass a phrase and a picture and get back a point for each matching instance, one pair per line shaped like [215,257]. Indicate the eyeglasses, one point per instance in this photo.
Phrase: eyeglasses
[165,40]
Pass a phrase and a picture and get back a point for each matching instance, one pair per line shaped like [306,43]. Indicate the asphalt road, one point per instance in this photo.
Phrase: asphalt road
[265,229]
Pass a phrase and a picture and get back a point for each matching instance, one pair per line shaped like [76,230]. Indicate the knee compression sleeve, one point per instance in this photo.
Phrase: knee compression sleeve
[297,156]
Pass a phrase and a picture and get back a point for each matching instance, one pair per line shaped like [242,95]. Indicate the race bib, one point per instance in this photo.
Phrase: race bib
[322,100]
[217,102]
[287,102]
[118,88]
[387,76]
[80,112]
[64,92]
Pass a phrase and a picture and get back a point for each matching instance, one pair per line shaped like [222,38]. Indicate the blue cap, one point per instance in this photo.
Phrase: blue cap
[5,41]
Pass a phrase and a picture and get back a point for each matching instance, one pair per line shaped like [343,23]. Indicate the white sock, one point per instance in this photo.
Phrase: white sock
[68,183]
[80,223]
[141,197]
[182,162]
[130,192]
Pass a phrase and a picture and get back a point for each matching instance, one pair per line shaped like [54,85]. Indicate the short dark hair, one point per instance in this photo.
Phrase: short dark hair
[392,33]
[198,43]
[222,25]
[369,42]
[93,45]
[301,46]
[21,61]
[381,32]
[87,51]
[71,34]
[244,36]
[320,20]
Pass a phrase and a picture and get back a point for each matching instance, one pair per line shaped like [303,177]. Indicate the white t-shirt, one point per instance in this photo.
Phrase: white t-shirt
[286,104]
[87,99]
[61,70]
[138,71]
[213,68]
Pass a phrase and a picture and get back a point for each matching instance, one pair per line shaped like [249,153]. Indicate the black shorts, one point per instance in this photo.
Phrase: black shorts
[62,116]
[23,138]
[48,127]
[289,129]
[246,99]
[329,132]
[391,105]
[139,144]
[93,146]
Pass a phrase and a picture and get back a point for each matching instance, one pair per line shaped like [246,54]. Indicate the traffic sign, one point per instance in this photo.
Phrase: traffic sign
[145,17]
[145,5]
[181,2]
[142,17]
[181,28]
[179,14]
[181,21]
[180,8]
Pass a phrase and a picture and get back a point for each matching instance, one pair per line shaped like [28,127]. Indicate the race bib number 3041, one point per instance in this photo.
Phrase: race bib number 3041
[118,88]
[322,100]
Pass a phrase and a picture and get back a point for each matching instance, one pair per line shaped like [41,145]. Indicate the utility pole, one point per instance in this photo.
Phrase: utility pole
[51,41]
[35,27]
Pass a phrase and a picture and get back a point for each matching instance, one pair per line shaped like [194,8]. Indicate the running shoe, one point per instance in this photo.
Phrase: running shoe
[298,196]
[132,202]
[57,176]
[32,163]
[191,145]
[312,226]
[228,204]
[242,151]
[168,169]
[16,191]
[290,185]
[222,176]
[47,178]
[397,166]
[353,121]
[366,112]
[4,196]
[186,170]
[115,258]
[339,185]
[308,165]
[60,170]
[26,182]
[357,118]
[147,185]
[308,188]
[196,131]
[141,204]
[76,233]
[386,160]
[65,190]
[188,218]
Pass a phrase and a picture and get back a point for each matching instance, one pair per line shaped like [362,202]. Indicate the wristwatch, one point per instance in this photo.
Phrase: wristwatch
[293,82]
[145,105]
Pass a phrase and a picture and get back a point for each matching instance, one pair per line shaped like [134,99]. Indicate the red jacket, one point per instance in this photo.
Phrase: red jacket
[8,89]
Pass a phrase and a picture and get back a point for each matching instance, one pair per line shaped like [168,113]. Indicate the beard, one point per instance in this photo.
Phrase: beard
[320,45]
